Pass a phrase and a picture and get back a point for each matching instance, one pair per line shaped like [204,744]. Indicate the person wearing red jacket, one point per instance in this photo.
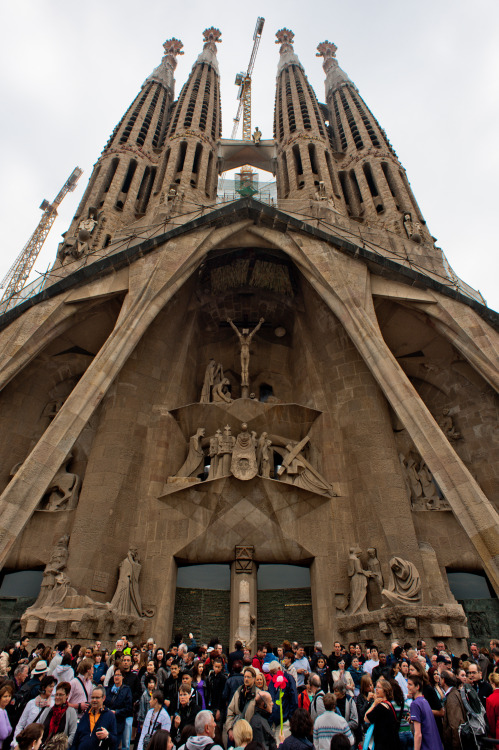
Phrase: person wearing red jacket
[492,706]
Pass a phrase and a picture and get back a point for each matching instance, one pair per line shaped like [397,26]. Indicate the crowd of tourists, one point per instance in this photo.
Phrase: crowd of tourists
[190,697]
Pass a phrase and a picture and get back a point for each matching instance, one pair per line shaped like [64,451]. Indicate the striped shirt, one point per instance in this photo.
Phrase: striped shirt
[326,726]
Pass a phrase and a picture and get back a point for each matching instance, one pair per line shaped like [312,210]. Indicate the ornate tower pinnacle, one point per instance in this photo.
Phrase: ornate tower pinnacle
[164,72]
[327,50]
[373,181]
[287,54]
[212,37]
[334,74]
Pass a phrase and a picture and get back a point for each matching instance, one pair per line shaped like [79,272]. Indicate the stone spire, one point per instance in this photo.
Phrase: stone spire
[212,37]
[189,168]
[125,175]
[306,167]
[286,50]
[164,72]
[373,181]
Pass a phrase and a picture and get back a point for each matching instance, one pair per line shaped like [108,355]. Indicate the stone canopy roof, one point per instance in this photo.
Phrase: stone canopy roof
[249,208]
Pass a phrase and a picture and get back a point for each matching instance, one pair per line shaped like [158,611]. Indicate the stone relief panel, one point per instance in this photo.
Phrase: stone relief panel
[247,455]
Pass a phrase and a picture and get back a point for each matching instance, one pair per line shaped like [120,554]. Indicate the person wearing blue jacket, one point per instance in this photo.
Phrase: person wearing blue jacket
[119,700]
[97,727]
[289,699]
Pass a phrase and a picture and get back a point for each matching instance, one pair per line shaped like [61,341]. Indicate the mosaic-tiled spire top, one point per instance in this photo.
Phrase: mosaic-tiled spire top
[165,70]
[286,51]
[212,37]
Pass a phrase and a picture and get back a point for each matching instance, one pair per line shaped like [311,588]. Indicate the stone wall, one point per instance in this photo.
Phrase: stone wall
[285,614]
[204,613]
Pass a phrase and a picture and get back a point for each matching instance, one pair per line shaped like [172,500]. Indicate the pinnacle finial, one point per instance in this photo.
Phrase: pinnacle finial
[211,37]
[285,39]
[327,50]
[173,47]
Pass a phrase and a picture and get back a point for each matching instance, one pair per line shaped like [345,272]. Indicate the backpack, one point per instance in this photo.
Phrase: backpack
[475,724]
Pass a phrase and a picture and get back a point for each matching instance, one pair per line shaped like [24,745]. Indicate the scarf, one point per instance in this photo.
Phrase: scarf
[58,713]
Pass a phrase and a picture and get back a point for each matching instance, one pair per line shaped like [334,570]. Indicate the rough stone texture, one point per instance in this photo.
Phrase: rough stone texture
[108,366]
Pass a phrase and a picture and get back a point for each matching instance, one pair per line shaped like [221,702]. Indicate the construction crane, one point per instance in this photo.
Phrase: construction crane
[243,80]
[23,265]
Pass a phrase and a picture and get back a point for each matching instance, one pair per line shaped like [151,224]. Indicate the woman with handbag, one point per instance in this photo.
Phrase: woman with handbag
[382,716]
[156,718]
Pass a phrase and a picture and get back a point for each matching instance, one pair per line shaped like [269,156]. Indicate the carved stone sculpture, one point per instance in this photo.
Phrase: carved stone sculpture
[446,424]
[358,583]
[405,583]
[295,469]
[245,338]
[413,229]
[243,464]
[374,567]
[214,454]
[227,443]
[55,566]
[264,455]
[422,490]
[247,456]
[63,491]
[220,393]
[194,463]
[126,600]
[213,375]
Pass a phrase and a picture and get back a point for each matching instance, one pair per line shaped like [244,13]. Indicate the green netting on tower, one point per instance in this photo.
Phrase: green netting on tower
[246,183]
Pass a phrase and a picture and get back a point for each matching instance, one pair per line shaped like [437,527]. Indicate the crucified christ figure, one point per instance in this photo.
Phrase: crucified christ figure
[245,338]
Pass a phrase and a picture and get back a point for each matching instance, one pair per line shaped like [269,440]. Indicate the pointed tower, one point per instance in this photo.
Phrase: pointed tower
[305,164]
[123,178]
[373,181]
[188,171]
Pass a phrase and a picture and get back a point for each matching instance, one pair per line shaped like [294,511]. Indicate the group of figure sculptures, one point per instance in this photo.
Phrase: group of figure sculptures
[423,491]
[247,455]
[215,387]
[404,586]
[56,585]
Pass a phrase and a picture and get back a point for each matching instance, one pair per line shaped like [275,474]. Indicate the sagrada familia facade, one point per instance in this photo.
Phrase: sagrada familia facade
[301,381]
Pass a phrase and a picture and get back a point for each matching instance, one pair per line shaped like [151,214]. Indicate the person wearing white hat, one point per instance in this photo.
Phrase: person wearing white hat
[34,683]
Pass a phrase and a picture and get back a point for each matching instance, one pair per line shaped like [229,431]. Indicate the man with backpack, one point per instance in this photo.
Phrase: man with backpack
[317,702]
[242,704]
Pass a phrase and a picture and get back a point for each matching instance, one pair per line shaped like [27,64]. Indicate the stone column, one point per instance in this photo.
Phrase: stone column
[243,585]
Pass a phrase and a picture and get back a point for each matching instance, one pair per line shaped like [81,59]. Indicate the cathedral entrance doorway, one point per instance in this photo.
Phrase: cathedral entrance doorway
[202,602]
[284,604]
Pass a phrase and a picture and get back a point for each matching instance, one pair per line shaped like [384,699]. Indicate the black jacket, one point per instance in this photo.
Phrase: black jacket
[86,740]
[261,729]
[187,715]
[121,703]
[215,684]
[170,692]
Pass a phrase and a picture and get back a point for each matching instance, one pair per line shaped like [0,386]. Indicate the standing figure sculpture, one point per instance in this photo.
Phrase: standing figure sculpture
[194,463]
[55,566]
[126,600]
[374,566]
[245,338]
[358,583]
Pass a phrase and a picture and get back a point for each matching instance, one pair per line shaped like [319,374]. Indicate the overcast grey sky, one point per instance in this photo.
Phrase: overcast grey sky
[429,71]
